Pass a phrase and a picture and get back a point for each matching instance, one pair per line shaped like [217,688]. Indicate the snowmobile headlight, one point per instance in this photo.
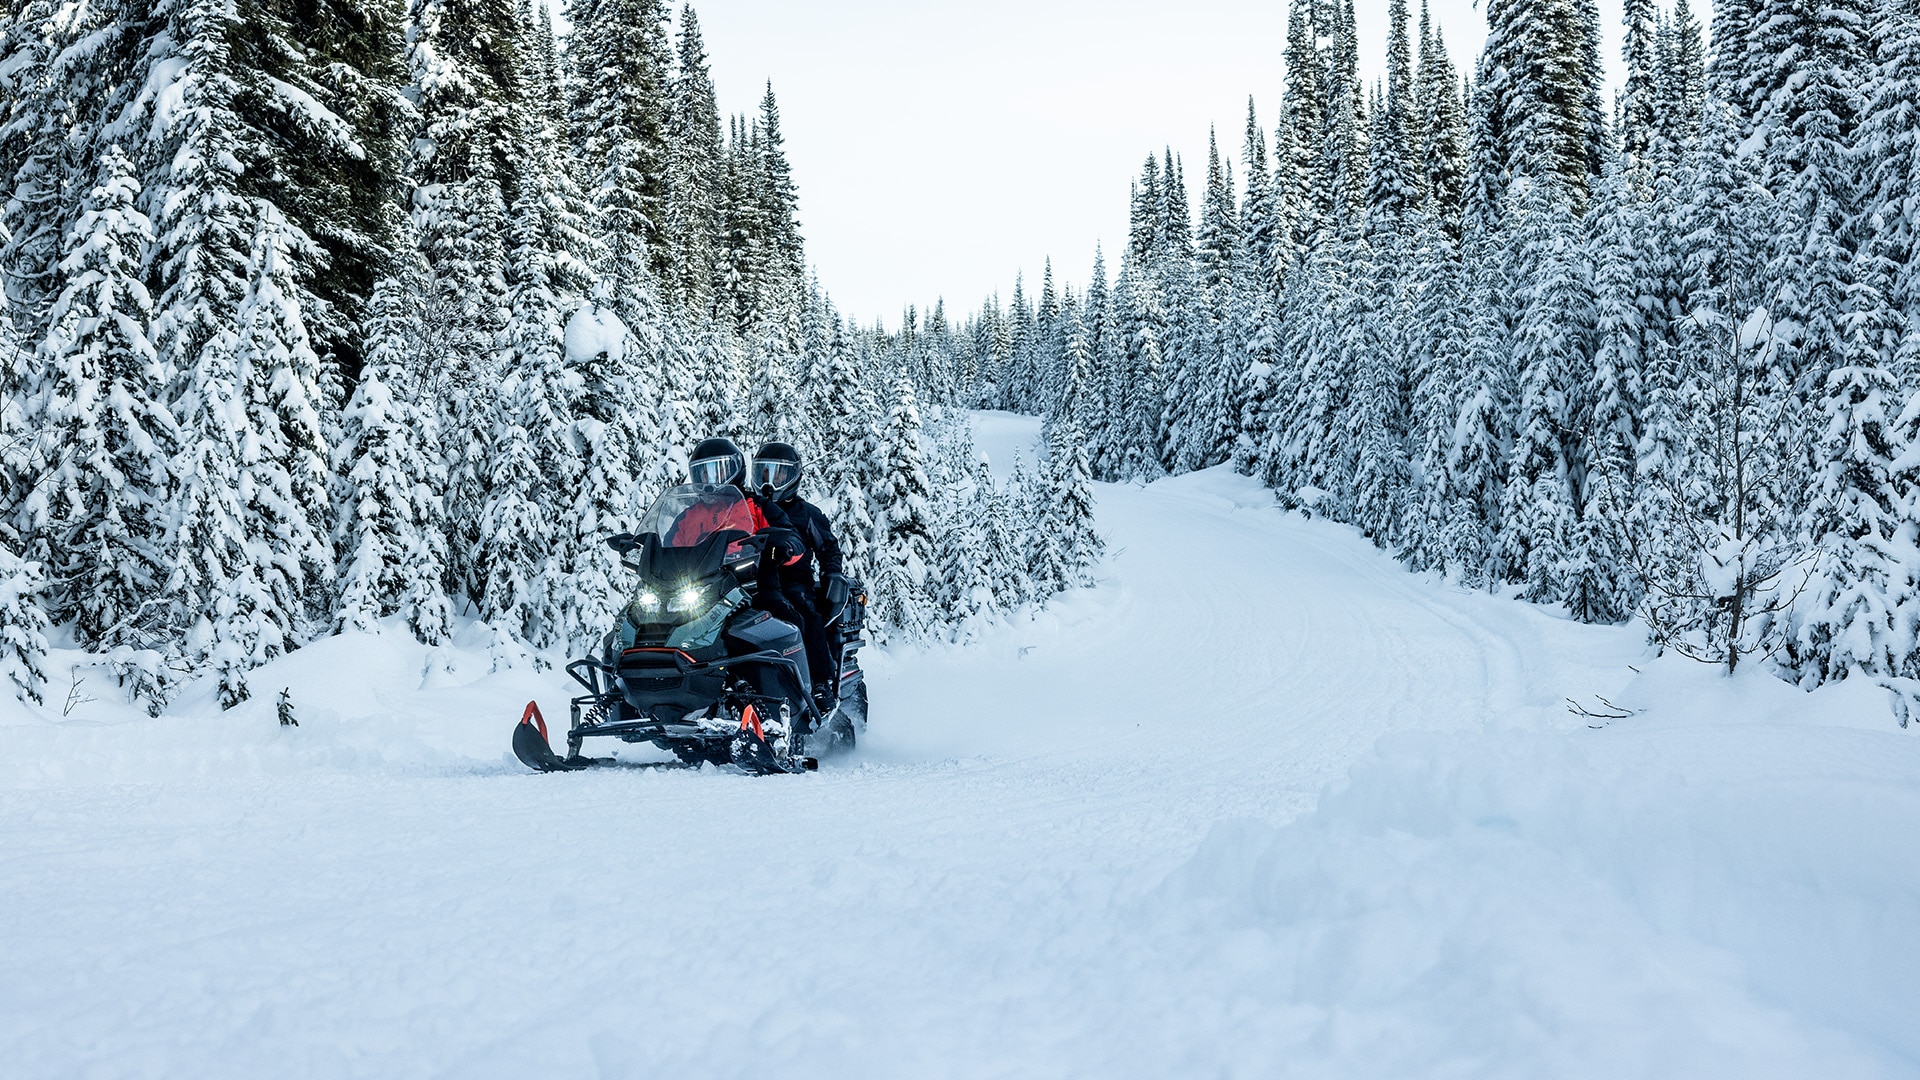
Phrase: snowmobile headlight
[648,601]
[687,599]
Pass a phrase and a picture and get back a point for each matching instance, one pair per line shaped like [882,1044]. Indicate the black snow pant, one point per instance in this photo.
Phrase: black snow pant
[794,604]
[813,630]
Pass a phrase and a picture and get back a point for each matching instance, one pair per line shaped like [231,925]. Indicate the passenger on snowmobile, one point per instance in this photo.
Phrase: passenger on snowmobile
[813,584]
[719,462]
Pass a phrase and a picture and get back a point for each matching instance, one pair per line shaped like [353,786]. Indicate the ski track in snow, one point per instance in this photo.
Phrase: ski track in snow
[1261,804]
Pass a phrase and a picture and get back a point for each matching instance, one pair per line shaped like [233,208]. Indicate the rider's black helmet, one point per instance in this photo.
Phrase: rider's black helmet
[718,461]
[776,471]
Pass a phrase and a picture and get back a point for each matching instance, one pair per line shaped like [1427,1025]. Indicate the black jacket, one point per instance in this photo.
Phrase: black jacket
[823,551]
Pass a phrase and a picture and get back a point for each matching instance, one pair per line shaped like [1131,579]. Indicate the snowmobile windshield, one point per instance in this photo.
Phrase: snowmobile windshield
[687,515]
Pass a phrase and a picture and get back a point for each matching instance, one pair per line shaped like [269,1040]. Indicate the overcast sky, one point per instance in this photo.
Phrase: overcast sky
[941,147]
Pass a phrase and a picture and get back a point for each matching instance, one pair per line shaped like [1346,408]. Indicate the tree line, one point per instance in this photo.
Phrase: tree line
[329,316]
[1655,358]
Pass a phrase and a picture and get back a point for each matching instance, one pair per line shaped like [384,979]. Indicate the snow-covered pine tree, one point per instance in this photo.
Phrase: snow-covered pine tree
[1678,86]
[613,431]
[1848,620]
[620,64]
[204,227]
[1436,363]
[772,396]
[904,529]
[1442,128]
[105,408]
[1003,550]
[285,472]
[1068,516]
[1477,460]
[23,623]
[390,537]
[41,155]
[1375,420]
[515,538]
[1818,60]
[695,158]
[1550,350]
[463,60]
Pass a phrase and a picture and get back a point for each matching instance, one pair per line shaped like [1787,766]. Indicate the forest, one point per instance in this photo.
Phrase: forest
[324,316]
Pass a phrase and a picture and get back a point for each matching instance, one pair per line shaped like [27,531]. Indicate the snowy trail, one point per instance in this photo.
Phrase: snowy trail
[1085,846]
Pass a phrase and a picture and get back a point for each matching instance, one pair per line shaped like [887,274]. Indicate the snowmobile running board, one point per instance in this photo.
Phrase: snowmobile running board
[530,745]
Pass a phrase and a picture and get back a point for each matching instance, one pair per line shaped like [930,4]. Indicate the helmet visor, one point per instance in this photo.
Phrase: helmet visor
[775,474]
[716,470]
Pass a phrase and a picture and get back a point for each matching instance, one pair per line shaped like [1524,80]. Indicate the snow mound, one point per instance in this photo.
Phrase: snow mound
[1677,894]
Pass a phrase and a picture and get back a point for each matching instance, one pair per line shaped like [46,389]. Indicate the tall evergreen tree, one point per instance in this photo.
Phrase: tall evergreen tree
[105,408]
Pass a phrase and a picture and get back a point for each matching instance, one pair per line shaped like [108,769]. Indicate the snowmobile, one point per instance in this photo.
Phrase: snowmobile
[692,668]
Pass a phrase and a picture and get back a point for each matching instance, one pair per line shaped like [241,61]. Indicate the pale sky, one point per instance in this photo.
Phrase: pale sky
[940,147]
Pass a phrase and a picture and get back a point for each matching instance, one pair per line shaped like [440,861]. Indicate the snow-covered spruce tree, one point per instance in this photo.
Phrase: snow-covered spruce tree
[1849,618]
[105,408]
[1888,145]
[285,472]
[614,431]
[963,592]
[1436,362]
[1375,416]
[390,535]
[1068,506]
[1442,135]
[42,155]
[770,407]
[1540,508]
[23,624]
[514,536]
[695,157]
[1601,587]
[1003,551]
[904,527]
[23,619]
[1679,87]
[1145,403]
[462,59]
[1477,460]
[200,262]
[532,464]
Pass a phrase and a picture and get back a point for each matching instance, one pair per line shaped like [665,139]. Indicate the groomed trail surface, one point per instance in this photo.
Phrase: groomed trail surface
[1261,804]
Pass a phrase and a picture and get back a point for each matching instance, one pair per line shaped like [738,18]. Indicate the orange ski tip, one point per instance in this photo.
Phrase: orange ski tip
[533,713]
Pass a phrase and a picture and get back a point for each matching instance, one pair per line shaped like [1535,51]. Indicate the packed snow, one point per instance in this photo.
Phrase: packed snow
[1258,804]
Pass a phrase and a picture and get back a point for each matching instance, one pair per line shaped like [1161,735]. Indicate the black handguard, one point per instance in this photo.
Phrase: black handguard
[838,591]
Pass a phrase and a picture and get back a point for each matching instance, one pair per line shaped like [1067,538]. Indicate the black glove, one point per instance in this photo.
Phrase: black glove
[783,544]
[836,592]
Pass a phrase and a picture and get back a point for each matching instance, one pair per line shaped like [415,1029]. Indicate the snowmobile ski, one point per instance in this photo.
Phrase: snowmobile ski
[530,745]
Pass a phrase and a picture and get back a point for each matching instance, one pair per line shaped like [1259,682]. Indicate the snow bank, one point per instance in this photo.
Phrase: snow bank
[1725,886]
[379,703]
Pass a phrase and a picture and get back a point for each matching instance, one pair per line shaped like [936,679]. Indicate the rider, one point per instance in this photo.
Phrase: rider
[718,462]
[814,584]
